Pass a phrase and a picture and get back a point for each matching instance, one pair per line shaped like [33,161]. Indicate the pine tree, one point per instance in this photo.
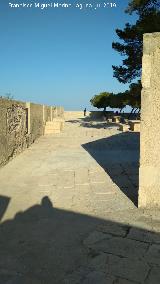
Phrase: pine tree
[131,41]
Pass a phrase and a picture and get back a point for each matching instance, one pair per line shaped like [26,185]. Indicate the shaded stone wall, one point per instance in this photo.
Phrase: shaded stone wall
[20,125]
[149,187]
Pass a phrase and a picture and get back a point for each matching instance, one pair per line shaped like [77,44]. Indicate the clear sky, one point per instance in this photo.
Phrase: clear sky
[59,56]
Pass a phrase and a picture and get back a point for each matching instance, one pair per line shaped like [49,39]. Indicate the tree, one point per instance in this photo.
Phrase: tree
[141,6]
[101,101]
[105,99]
[119,100]
[134,96]
[131,45]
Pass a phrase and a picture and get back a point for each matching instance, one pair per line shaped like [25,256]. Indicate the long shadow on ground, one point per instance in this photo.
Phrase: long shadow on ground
[4,202]
[119,155]
[45,245]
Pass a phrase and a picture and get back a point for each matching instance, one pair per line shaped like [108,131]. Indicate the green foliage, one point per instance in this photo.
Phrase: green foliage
[134,95]
[119,100]
[131,49]
[105,99]
[131,46]
[101,100]
[141,6]
[131,97]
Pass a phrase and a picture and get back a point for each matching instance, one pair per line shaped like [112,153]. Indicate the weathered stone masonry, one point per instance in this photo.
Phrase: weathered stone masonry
[21,124]
[149,188]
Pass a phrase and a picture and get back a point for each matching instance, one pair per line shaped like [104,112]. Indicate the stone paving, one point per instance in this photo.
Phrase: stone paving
[69,211]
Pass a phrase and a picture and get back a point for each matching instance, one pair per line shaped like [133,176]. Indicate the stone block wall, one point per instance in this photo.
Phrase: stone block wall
[59,112]
[149,183]
[48,113]
[21,124]
[53,112]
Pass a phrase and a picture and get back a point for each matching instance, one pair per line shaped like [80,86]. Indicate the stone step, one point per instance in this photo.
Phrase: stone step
[124,127]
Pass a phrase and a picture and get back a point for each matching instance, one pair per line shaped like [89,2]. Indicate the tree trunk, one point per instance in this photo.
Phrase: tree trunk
[138,113]
[135,110]
[131,113]
[135,113]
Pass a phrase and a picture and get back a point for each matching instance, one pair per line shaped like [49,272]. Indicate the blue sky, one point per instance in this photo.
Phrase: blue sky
[59,56]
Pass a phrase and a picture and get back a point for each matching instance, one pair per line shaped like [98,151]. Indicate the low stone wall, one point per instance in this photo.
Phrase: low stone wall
[80,114]
[21,124]
[74,114]
[96,114]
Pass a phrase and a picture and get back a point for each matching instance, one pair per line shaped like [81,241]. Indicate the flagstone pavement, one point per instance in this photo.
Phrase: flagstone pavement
[69,211]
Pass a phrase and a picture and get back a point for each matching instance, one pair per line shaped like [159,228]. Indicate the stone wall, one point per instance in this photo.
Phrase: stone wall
[20,125]
[149,184]
[36,120]
[74,115]
[59,112]
[80,114]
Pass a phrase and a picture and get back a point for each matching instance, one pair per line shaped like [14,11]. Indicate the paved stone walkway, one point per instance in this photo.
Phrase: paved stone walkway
[68,211]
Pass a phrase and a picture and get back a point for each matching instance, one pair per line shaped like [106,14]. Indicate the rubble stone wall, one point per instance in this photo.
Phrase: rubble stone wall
[21,124]
[13,128]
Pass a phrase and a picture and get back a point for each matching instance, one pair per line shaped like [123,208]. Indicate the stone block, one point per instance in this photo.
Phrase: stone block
[116,119]
[21,279]
[143,235]
[154,276]
[100,177]
[95,237]
[153,254]
[123,127]
[95,277]
[124,281]
[82,176]
[114,203]
[131,269]
[66,179]
[122,246]
[103,188]
[134,125]
[114,229]
[98,262]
